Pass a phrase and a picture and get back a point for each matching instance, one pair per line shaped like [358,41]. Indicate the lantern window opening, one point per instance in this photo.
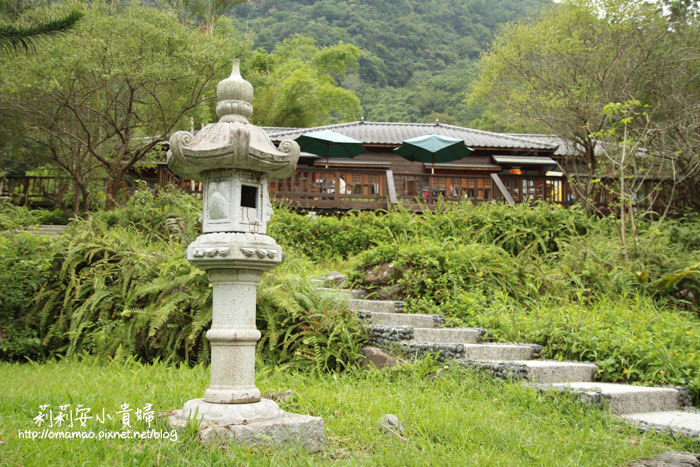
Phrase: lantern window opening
[249,196]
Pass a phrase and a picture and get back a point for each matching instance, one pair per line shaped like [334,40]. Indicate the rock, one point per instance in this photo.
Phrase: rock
[685,294]
[669,459]
[279,396]
[381,275]
[333,279]
[377,357]
[388,292]
[390,425]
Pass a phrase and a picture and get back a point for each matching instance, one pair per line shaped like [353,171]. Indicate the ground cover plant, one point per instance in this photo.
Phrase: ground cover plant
[450,417]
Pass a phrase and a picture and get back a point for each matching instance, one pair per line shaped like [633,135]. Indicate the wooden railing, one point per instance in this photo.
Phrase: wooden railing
[33,189]
[166,177]
[333,189]
[362,188]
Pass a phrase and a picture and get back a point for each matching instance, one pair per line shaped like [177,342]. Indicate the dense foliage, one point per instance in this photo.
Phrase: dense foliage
[576,71]
[117,283]
[539,274]
[514,229]
[414,53]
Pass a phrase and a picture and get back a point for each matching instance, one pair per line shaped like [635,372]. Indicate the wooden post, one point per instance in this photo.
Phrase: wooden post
[502,188]
[391,188]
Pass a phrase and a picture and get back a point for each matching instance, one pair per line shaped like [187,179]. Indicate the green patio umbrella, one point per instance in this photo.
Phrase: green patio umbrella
[433,148]
[329,144]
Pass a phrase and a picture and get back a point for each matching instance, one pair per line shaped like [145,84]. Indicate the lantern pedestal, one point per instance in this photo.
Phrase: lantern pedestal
[258,424]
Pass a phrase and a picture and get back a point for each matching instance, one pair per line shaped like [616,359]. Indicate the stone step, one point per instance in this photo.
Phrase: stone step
[46,229]
[448,335]
[499,351]
[625,398]
[447,350]
[401,319]
[379,306]
[351,293]
[537,371]
[685,423]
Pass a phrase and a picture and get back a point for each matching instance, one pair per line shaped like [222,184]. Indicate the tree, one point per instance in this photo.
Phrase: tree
[203,12]
[103,98]
[559,72]
[14,37]
[297,84]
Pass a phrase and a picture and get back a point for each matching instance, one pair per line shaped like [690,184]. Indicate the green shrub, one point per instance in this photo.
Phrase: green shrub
[24,268]
[53,217]
[149,215]
[516,229]
[13,217]
[302,327]
[430,275]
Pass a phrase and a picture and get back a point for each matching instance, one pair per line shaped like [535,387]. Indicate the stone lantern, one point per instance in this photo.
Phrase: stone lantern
[236,159]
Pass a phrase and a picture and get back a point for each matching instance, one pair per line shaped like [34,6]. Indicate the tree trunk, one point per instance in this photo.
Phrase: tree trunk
[115,180]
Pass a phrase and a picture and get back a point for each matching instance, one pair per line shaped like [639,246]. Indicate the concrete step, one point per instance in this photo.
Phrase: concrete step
[499,351]
[46,229]
[401,319]
[448,335]
[537,371]
[351,293]
[448,350]
[625,398]
[677,421]
[379,306]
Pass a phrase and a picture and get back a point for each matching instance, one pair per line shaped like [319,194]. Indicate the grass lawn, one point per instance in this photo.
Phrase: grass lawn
[455,418]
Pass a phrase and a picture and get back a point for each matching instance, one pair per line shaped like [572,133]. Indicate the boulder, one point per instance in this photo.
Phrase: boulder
[374,356]
[381,275]
[391,426]
[333,279]
[669,459]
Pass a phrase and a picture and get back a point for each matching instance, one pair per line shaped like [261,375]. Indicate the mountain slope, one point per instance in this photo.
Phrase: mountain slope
[400,39]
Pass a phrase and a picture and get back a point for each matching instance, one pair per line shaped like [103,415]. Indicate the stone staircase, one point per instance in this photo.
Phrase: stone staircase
[649,408]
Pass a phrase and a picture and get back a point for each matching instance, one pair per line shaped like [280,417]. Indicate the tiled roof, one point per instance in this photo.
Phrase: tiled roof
[564,147]
[278,129]
[396,133]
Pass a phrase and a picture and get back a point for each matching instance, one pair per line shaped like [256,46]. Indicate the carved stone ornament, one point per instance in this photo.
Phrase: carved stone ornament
[232,142]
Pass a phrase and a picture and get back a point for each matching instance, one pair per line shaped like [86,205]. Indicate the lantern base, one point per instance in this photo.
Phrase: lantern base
[259,424]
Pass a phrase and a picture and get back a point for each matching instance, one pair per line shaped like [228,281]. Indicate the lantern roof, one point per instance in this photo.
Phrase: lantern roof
[232,142]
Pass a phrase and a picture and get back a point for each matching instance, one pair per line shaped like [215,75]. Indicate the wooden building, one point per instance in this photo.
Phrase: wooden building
[507,167]
[502,167]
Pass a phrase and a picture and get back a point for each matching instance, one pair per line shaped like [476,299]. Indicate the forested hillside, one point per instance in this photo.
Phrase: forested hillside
[416,55]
